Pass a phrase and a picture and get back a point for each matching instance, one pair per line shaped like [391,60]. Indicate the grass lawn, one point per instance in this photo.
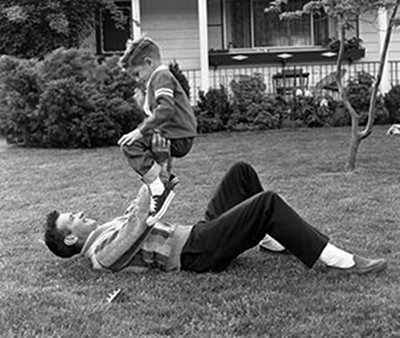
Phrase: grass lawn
[260,294]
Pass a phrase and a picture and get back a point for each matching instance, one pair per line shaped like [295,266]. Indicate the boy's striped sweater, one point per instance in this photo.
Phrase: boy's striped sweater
[167,107]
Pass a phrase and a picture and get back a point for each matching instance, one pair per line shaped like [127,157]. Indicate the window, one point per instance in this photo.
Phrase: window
[111,37]
[248,26]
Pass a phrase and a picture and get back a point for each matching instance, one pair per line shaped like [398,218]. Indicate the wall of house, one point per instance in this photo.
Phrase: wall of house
[174,25]
[369,33]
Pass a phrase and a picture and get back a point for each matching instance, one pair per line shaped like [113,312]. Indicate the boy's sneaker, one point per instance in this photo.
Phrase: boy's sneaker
[160,203]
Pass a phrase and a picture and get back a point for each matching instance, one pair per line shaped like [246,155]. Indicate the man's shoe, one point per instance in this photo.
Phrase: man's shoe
[365,265]
[161,202]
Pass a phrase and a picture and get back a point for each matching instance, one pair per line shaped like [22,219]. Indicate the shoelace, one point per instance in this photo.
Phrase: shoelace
[153,203]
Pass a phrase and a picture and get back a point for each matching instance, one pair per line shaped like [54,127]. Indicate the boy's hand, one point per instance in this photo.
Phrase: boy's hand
[129,138]
[160,147]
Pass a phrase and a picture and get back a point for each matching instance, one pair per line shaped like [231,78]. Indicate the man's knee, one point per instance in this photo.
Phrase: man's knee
[242,167]
[270,196]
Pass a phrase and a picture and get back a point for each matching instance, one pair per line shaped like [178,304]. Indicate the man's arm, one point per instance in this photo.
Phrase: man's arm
[126,239]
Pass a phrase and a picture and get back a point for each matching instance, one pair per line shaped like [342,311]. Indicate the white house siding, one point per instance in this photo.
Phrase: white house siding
[174,25]
[369,33]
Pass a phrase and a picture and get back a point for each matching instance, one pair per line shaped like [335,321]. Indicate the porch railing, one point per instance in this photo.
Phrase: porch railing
[316,73]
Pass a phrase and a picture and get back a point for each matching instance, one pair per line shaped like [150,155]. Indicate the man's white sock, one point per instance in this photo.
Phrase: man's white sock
[335,257]
[271,244]
[156,187]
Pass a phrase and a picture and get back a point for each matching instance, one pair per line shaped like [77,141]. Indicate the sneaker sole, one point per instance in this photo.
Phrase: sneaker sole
[376,268]
[153,219]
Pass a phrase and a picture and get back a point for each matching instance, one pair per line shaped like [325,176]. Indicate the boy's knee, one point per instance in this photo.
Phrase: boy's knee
[127,149]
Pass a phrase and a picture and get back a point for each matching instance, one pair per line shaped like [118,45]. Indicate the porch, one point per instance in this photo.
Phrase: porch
[319,77]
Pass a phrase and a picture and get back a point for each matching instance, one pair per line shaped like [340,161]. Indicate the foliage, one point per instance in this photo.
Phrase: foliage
[174,69]
[392,103]
[311,111]
[252,108]
[358,91]
[353,43]
[67,100]
[34,28]
[69,63]
[213,110]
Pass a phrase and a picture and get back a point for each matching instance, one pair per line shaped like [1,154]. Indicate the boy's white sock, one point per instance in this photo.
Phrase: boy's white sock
[156,187]
[335,257]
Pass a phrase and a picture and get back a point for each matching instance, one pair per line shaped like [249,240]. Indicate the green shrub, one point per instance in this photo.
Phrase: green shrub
[213,110]
[174,69]
[340,117]
[253,109]
[311,111]
[20,89]
[359,90]
[73,63]
[68,100]
[21,83]
[62,108]
[392,103]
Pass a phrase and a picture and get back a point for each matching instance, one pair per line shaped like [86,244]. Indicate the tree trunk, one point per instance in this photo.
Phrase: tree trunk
[353,149]
[356,135]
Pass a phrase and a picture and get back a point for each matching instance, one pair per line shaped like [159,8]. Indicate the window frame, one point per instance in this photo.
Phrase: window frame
[100,44]
[225,39]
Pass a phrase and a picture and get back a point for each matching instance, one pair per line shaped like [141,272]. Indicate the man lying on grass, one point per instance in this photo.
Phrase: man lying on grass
[239,216]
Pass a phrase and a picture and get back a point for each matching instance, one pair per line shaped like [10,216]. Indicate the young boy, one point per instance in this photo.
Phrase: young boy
[170,118]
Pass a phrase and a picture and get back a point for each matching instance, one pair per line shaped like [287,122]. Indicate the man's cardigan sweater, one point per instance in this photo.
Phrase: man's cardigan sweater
[167,107]
[127,242]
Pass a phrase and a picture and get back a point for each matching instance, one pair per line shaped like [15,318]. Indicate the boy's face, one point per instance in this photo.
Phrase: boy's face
[141,73]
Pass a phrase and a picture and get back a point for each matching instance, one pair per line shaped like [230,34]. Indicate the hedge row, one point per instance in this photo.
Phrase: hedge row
[67,100]
[246,106]
[70,100]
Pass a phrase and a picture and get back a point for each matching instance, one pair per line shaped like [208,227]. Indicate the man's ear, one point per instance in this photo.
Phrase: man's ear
[70,240]
[149,61]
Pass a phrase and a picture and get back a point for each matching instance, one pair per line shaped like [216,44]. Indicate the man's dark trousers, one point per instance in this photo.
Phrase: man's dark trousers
[239,216]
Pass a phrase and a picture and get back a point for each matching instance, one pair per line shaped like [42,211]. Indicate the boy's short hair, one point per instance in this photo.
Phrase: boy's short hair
[54,238]
[137,50]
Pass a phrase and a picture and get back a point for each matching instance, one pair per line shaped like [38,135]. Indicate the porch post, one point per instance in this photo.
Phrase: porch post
[382,27]
[203,32]
[136,30]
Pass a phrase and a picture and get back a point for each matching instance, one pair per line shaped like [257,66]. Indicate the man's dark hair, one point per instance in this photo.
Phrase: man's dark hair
[54,238]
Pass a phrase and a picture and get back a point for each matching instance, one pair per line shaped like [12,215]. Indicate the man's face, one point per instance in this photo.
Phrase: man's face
[77,224]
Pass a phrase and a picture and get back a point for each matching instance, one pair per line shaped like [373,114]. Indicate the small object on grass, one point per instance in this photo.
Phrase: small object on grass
[113,295]
[394,130]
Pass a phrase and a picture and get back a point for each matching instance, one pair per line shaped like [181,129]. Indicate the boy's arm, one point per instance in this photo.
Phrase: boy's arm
[163,87]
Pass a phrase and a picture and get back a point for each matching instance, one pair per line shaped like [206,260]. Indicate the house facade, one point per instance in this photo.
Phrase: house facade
[215,41]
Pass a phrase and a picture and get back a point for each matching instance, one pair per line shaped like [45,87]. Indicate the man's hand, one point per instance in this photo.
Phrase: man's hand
[139,97]
[129,138]
[160,147]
